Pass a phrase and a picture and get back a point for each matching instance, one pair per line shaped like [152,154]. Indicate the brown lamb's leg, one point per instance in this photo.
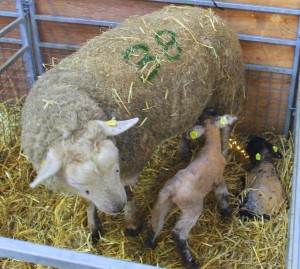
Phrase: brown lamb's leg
[159,213]
[186,222]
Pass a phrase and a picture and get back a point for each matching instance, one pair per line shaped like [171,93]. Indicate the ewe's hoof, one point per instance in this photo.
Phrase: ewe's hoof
[96,235]
[133,232]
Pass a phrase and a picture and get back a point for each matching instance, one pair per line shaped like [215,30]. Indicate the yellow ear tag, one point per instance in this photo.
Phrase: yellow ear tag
[257,157]
[275,148]
[43,163]
[111,122]
[193,134]
[224,120]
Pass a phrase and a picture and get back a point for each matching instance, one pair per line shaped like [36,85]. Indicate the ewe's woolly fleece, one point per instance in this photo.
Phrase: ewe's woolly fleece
[197,62]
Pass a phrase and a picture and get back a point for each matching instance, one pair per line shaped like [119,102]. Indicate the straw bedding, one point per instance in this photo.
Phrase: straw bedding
[41,216]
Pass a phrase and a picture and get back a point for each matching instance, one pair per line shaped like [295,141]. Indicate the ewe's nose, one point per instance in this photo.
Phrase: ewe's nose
[119,207]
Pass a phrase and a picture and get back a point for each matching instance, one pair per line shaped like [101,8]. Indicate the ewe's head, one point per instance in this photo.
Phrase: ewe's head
[260,150]
[89,164]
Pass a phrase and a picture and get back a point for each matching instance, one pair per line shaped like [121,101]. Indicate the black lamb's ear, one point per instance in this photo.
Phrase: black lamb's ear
[274,151]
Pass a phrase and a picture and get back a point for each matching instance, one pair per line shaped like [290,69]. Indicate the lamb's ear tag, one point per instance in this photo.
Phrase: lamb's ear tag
[111,122]
[257,157]
[194,134]
[224,120]
[275,148]
[43,162]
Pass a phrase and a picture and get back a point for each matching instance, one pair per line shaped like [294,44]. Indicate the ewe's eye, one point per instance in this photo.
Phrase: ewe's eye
[87,192]
[117,170]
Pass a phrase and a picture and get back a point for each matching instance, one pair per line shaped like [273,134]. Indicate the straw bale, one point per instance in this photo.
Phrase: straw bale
[41,216]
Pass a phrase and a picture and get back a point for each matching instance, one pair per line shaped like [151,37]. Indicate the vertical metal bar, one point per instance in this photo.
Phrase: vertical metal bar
[293,82]
[293,249]
[36,37]
[28,57]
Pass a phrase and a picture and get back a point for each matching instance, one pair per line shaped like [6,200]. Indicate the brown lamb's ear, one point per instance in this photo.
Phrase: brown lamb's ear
[225,120]
[49,167]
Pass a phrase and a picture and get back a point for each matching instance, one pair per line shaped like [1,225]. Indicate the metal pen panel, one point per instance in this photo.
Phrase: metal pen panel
[61,258]
[293,81]
[293,249]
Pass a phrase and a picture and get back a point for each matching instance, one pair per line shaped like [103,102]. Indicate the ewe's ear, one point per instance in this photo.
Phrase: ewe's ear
[113,127]
[48,168]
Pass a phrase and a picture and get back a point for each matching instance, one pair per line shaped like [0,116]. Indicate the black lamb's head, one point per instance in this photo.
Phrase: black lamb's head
[259,150]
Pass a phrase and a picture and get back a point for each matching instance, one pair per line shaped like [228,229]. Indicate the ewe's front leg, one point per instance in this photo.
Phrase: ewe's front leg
[221,194]
[188,219]
[94,223]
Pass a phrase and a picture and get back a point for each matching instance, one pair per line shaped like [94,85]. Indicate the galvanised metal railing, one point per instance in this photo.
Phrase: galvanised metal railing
[21,21]
[62,258]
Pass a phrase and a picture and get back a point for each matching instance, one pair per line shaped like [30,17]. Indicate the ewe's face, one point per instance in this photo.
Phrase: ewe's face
[89,162]
[95,175]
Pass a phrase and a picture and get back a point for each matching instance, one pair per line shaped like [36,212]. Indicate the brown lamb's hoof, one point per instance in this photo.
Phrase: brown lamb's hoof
[150,242]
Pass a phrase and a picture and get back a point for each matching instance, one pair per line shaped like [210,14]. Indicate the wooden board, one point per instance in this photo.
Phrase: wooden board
[8,5]
[268,54]
[112,10]
[244,22]
[275,3]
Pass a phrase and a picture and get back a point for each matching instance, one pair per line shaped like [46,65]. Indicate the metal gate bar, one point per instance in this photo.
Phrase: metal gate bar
[62,258]
[25,50]
[293,249]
